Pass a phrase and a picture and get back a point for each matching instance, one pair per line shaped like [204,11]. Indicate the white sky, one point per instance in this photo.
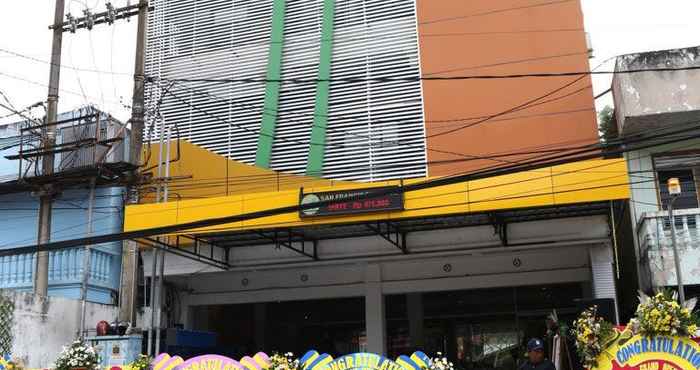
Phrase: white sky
[616,27]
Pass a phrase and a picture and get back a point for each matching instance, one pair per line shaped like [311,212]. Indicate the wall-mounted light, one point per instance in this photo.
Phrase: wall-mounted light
[674,186]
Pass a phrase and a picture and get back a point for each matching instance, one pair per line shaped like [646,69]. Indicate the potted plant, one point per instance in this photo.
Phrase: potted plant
[77,356]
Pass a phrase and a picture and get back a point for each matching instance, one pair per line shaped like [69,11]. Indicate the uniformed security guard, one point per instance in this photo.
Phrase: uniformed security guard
[535,354]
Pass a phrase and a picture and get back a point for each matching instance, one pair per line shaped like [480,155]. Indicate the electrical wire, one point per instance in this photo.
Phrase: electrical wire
[296,208]
[506,184]
[58,232]
[77,76]
[283,179]
[62,90]
[507,111]
[64,66]
[433,78]
[94,63]
[399,142]
[21,114]
[517,61]
[407,143]
[495,11]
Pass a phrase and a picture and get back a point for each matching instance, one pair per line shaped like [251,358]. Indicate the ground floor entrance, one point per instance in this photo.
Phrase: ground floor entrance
[476,329]
[468,292]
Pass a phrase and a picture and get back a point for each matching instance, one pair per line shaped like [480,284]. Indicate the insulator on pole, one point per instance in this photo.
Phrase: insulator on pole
[73,22]
[111,13]
[89,19]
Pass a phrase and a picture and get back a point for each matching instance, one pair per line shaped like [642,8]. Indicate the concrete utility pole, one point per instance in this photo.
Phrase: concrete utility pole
[87,258]
[41,276]
[72,24]
[137,104]
[674,190]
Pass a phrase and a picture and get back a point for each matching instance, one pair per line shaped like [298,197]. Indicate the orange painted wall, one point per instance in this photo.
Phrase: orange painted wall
[464,37]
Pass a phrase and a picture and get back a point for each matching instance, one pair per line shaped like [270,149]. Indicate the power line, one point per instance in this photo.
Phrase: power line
[429,78]
[21,114]
[507,111]
[517,61]
[296,208]
[281,181]
[490,12]
[64,66]
[395,143]
[470,190]
[448,34]
[62,90]
[275,113]
[602,94]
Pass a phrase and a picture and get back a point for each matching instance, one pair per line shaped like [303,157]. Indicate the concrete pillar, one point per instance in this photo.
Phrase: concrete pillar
[259,317]
[129,285]
[414,308]
[375,320]
[603,274]
[186,312]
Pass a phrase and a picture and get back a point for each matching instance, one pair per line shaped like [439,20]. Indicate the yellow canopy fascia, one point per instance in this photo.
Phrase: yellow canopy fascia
[579,182]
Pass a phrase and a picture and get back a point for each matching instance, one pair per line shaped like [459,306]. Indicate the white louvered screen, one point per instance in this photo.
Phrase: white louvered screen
[375,129]
[302,44]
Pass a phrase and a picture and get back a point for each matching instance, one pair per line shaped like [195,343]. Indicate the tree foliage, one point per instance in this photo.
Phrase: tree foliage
[607,125]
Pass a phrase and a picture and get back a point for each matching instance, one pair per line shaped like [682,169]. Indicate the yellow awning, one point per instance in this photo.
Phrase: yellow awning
[574,183]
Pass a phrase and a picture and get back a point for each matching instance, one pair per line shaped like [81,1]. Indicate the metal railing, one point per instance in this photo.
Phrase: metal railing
[654,229]
[656,246]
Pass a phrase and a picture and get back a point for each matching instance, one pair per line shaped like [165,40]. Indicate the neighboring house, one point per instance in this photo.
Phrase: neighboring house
[19,205]
[653,103]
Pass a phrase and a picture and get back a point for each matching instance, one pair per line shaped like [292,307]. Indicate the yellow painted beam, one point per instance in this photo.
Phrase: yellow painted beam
[580,182]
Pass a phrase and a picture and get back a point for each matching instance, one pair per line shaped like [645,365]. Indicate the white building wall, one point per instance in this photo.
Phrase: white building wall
[41,326]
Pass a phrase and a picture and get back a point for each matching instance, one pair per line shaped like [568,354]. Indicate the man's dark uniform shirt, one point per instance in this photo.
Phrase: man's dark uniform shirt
[544,365]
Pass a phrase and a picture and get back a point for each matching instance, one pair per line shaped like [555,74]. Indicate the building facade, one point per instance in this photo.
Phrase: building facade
[277,102]
[364,90]
[646,104]
[71,213]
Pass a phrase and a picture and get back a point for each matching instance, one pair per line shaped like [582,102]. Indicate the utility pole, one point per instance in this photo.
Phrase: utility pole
[674,189]
[86,259]
[138,105]
[41,276]
[72,24]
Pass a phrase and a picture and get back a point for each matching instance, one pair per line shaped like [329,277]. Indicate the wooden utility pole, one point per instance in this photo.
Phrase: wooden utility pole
[41,276]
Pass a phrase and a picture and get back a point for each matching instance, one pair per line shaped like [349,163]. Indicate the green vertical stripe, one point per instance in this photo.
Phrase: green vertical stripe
[314,165]
[272,90]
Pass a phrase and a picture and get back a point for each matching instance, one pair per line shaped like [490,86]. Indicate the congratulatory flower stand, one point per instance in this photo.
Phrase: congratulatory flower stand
[77,356]
[662,335]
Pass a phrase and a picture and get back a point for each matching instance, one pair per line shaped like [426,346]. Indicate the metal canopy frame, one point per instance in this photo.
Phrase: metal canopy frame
[390,233]
[197,256]
[215,248]
[288,238]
